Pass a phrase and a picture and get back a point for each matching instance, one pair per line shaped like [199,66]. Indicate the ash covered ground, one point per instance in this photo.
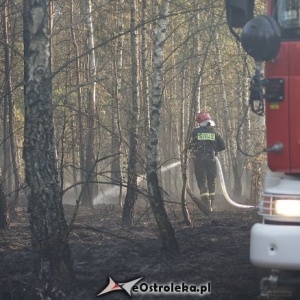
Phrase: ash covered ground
[213,249]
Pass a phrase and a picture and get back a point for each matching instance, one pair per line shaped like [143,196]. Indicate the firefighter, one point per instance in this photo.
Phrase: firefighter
[205,144]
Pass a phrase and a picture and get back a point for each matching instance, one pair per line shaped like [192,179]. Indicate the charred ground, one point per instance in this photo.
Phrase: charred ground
[214,249]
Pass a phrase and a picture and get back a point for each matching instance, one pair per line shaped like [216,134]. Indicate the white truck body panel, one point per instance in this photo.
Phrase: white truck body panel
[277,246]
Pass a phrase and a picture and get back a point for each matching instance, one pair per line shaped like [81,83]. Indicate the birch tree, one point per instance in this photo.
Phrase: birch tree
[131,195]
[145,84]
[52,263]
[89,187]
[116,173]
[166,230]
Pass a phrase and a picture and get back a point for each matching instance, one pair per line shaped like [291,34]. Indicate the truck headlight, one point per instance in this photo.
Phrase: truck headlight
[288,207]
[279,205]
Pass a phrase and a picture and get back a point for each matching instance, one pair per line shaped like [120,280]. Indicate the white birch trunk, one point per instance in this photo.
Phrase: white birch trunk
[52,263]
[155,196]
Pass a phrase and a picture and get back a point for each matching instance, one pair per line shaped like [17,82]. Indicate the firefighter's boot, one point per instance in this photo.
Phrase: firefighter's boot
[207,204]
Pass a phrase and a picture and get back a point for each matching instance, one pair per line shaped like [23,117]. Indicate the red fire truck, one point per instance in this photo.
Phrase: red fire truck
[273,40]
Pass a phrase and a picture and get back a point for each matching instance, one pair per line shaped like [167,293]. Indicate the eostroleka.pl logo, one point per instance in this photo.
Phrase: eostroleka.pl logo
[136,287]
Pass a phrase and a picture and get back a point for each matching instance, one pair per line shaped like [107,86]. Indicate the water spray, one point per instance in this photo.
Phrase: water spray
[223,186]
[114,190]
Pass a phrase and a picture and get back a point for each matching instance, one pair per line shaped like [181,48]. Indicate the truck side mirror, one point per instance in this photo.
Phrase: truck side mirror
[239,12]
[261,38]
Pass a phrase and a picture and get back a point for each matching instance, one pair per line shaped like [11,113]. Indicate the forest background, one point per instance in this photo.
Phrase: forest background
[126,76]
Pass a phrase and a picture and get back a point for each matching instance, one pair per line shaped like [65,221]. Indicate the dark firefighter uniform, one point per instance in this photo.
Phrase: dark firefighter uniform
[205,145]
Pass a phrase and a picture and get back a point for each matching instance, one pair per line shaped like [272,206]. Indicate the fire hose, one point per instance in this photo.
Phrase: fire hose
[223,187]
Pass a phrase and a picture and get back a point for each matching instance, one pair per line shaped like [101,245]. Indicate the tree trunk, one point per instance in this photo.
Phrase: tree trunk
[131,195]
[165,228]
[145,84]
[6,151]
[79,120]
[116,172]
[4,216]
[90,188]
[9,98]
[183,154]
[53,267]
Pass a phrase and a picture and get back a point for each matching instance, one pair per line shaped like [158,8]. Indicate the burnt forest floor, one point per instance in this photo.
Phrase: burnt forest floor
[213,249]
